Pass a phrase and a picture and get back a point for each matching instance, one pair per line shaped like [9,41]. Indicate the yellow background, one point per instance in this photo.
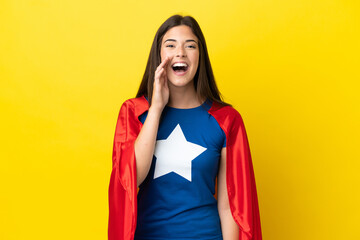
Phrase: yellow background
[290,67]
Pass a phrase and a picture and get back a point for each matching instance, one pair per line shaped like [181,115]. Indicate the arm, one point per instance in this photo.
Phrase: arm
[229,228]
[145,142]
[240,178]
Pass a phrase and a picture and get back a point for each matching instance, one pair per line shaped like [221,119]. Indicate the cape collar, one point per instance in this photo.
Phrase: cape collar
[143,106]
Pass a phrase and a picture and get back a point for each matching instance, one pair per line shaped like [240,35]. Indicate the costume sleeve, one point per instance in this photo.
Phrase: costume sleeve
[241,182]
[122,187]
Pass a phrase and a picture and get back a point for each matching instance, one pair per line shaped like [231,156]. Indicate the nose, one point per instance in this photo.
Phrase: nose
[180,52]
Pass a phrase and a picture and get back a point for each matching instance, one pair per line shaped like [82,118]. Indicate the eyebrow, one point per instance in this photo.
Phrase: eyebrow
[173,40]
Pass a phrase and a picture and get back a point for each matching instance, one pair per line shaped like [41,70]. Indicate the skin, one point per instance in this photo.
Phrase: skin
[178,44]
[229,228]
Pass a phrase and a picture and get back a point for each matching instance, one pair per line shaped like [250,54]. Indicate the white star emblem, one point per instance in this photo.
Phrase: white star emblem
[175,154]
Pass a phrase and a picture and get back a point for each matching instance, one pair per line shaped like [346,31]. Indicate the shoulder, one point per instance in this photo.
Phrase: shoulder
[135,106]
[135,102]
[230,120]
[226,114]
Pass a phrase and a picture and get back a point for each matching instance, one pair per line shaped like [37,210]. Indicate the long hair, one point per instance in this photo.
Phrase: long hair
[204,81]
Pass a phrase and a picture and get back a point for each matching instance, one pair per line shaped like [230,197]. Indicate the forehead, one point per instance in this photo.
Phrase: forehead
[180,33]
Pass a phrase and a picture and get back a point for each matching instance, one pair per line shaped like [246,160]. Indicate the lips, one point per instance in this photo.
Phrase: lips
[180,68]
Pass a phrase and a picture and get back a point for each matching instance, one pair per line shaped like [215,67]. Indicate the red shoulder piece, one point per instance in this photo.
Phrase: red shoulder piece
[123,187]
[239,173]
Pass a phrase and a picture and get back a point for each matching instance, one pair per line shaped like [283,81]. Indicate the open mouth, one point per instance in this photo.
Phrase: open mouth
[180,67]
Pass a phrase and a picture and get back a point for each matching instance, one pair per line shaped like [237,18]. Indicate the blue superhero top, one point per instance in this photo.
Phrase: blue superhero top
[176,200]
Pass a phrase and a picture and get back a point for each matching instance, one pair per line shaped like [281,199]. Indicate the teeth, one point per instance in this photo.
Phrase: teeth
[180,65]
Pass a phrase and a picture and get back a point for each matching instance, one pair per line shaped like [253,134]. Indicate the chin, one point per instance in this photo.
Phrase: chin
[180,81]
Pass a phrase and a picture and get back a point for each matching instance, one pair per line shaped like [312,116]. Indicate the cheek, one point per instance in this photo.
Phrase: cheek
[162,55]
[196,60]
[165,53]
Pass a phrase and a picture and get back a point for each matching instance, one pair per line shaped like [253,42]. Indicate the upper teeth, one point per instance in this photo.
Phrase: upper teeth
[180,65]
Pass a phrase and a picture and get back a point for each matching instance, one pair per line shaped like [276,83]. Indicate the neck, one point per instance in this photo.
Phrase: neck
[183,97]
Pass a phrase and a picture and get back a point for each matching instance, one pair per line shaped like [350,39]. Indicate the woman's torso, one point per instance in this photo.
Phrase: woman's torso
[176,200]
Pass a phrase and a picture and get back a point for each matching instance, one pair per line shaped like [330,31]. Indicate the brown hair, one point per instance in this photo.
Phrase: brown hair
[204,80]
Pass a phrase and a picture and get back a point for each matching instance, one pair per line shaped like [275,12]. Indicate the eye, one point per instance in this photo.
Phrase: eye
[191,46]
[170,45]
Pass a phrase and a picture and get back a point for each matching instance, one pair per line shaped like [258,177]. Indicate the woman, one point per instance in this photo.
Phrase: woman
[173,141]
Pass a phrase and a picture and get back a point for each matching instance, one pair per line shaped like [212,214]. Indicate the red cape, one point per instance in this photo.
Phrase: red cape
[240,178]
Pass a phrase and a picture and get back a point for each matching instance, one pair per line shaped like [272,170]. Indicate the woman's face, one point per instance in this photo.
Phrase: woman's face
[181,45]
